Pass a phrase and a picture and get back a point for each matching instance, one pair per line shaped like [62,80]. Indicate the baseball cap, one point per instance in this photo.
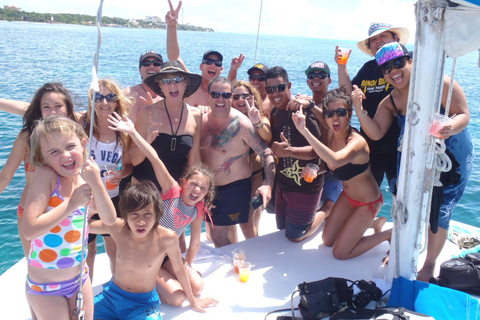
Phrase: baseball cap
[318,66]
[259,66]
[209,52]
[149,54]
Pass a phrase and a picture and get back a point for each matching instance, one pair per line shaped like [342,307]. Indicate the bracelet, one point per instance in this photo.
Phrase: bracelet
[311,105]
[260,127]
[365,112]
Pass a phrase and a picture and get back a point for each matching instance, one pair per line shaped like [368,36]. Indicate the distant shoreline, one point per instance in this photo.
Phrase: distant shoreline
[152,22]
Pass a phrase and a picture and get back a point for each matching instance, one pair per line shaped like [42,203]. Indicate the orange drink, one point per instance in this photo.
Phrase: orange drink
[343,54]
[245,271]
[311,172]
[239,256]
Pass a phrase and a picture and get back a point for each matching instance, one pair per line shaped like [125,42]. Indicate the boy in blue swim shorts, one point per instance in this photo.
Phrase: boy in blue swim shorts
[142,245]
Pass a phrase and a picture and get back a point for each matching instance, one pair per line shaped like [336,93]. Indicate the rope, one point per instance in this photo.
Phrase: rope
[78,312]
[258,31]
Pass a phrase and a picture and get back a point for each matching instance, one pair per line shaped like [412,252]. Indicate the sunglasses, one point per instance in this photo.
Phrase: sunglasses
[225,95]
[319,75]
[340,112]
[239,96]
[148,63]
[175,80]
[111,97]
[279,88]
[208,62]
[397,63]
[257,77]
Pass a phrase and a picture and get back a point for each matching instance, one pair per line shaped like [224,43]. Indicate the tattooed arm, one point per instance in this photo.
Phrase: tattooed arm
[253,140]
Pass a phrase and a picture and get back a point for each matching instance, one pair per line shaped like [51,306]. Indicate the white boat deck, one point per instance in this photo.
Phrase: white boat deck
[278,267]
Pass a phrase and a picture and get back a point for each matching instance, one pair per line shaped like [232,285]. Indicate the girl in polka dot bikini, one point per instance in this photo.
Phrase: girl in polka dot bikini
[63,183]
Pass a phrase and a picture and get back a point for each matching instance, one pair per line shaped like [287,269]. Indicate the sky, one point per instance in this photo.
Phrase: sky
[322,19]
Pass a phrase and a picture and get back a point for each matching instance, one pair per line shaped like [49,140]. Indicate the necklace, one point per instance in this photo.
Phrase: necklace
[173,141]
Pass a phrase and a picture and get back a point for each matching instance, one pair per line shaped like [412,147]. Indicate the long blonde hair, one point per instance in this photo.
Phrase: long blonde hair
[122,108]
[256,95]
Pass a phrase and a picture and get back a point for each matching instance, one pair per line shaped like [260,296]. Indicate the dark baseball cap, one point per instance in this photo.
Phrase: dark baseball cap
[209,52]
[259,66]
[150,54]
[318,66]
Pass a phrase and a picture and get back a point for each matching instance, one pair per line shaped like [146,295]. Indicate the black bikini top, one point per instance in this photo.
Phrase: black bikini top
[349,171]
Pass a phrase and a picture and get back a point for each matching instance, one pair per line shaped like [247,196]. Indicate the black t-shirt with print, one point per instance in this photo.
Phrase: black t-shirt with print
[375,88]
[288,169]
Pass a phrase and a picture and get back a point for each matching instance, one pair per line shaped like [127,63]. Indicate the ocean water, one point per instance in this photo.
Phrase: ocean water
[32,54]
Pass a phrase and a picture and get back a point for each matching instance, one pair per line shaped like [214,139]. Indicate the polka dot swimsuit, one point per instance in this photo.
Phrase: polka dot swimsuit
[60,247]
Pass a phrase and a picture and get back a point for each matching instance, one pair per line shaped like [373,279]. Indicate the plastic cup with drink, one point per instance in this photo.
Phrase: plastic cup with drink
[439,121]
[343,55]
[239,256]
[244,271]
[111,177]
[310,172]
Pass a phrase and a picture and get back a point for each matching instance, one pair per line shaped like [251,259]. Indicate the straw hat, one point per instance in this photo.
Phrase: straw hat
[378,27]
[168,67]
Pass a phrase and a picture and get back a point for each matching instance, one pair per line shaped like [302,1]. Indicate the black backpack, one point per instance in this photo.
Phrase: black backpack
[461,273]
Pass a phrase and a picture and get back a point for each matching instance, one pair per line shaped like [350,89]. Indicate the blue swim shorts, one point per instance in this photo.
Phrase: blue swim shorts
[115,303]
[332,188]
[232,203]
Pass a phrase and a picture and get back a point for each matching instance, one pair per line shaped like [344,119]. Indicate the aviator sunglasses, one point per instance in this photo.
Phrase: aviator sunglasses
[208,62]
[257,77]
[397,63]
[239,96]
[148,63]
[319,75]
[280,88]
[225,95]
[111,97]
[175,80]
[342,112]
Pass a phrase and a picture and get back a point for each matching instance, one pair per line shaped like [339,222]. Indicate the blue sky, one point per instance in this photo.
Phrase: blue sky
[324,19]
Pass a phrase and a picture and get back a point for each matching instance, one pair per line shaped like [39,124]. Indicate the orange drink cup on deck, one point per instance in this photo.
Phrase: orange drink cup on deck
[245,271]
[239,256]
[439,121]
[343,54]
[311,172]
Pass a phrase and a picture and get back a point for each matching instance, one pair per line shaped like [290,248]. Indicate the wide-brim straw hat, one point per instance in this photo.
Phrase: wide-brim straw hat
[195,80]
[378,27]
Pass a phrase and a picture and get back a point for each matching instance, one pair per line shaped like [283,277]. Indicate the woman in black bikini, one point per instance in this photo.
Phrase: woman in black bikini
[171,126]
[346,153]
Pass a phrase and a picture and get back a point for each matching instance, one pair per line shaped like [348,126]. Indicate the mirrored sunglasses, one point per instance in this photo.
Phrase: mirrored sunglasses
[111,97]
[175,80]
[209,62]
[279,88]
[243,96]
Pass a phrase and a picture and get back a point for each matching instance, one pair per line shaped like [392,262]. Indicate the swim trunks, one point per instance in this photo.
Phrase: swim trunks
[66,288]
[115,303]
[232,203]
[332,188]
[355,203]
[295,211]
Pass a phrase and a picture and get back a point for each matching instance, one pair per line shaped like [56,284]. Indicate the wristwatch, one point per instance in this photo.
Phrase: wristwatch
[312,104]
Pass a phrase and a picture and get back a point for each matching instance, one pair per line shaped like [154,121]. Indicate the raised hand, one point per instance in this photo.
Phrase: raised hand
[90,171]
[253,113]
[148,101]
[299,120]
[171,18]
[123,124]
[357,98]
[338,56]
[237,62]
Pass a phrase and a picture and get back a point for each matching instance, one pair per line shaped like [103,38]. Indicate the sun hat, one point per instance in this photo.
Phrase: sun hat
[378,27]
[318,66]
[149,54]
[195,80]
[209,52]
[391,51]
[259,66]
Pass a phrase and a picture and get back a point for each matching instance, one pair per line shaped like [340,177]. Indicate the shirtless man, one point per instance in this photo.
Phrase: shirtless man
[227,136]
[142,247]
[149,64]
[212,61]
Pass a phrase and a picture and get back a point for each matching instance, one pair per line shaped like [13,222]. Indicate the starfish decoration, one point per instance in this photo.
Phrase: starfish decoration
[293,173]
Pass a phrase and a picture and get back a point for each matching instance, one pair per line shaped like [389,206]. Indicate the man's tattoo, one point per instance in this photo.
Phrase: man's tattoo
[227,135]
[225,167]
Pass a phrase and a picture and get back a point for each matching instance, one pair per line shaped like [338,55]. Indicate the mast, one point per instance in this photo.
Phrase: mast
[411,207]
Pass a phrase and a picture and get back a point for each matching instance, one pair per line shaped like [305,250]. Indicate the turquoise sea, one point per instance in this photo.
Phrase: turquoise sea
[32,54]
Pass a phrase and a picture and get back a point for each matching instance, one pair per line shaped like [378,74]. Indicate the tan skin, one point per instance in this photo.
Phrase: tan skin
[250,229]
[346,225]
[194,190]
[375,128]
[63,155]
[227,136]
